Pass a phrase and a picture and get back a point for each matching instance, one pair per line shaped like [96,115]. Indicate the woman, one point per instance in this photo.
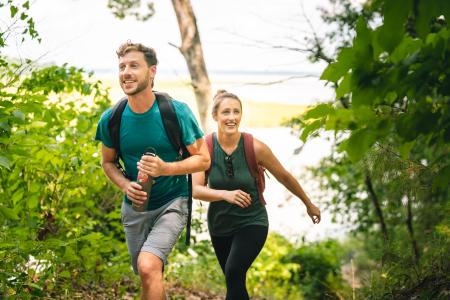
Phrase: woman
[237,219]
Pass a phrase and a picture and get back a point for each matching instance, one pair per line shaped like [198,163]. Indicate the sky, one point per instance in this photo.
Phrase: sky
[237,38]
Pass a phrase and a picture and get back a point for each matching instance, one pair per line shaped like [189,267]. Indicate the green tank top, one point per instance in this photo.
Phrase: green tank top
[224,218]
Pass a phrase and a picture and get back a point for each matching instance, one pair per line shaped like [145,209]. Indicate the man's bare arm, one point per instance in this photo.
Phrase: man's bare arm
[198,161]
[131,189]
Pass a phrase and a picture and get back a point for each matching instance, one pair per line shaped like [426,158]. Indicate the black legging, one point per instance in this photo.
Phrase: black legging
[236,254]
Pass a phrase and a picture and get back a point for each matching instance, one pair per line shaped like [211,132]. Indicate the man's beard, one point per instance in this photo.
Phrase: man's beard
[140,87]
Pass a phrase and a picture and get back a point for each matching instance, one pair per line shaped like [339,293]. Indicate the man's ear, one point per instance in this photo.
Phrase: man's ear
[152,70]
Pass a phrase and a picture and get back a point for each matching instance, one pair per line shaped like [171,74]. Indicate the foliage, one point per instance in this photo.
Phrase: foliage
[60,222]
[319,273]
[271,273]
[391,123]
[384,102]
[20,22]
[60,227]
[123,8]
[281,271]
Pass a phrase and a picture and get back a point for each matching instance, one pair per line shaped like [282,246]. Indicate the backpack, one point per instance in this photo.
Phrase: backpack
[256,170]
[173,131]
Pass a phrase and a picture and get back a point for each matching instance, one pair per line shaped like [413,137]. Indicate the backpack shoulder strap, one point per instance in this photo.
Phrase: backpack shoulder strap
[173,130]
[250,156]
[114,124]
[170,122]
[256,170]
[210,143]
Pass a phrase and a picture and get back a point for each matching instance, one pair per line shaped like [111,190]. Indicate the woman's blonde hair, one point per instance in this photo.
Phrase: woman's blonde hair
[220,96]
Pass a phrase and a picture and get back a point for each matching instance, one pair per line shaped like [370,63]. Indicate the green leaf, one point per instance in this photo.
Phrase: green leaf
[32,201]
[344,86]
[333,72]
[7,245]
[34,285]
[364,114]
[93,237]
[318,111]
[362,56]
[405,149]
[342,66]
[17,196]
[340,119]
[53,243]
[407,47]
[13,10]
[19,115]
[359,143]
[8,213]
[70,255]
[406,127]
[426,10]
[38,124]
[4,162]
[363,33]
[445,9]
[442,179]
[392,31]
[364,96]
[310,128]
[65,274]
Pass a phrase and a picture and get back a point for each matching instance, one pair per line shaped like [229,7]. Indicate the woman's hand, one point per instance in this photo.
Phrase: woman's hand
[314,213]
[238,197]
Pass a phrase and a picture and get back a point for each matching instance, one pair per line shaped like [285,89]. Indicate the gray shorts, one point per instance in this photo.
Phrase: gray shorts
[154,231]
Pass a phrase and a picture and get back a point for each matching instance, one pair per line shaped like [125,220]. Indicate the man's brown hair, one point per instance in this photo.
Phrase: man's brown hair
[149,53]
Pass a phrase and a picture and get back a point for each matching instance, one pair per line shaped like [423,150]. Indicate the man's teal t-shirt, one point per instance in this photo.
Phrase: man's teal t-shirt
[139,131]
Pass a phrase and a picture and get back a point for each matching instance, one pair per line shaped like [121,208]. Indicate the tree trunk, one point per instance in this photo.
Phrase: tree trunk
[377,206]
[191,48]
[409,224]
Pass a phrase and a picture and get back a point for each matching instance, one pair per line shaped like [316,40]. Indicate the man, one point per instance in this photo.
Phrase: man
[151,234]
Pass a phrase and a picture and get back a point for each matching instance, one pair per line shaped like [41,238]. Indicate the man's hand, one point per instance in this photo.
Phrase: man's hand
[135,194]
[153,166]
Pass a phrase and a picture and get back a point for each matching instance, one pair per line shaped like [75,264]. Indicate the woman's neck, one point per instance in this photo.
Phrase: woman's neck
[228,141]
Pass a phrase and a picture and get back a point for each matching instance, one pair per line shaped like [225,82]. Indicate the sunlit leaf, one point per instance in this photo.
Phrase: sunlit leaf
[318,111]
[8,213]
[19,115]
[4,162]
[310,128]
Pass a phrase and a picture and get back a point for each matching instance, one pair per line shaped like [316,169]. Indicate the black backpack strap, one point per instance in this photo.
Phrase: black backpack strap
[173,130]
[114,129]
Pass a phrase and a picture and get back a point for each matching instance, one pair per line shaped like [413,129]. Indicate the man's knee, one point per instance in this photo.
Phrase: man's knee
[149,266]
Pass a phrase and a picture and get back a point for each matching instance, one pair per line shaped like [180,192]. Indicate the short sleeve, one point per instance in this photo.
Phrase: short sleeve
[190,129]
[102,133]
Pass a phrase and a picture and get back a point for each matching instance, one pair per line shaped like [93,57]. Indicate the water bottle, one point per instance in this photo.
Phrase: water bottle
[146,182]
